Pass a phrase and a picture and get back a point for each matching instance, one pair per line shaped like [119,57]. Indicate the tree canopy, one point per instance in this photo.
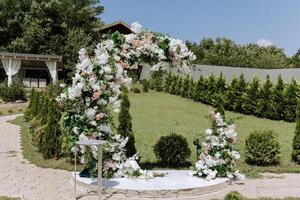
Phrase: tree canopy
[225,52]
[59,27]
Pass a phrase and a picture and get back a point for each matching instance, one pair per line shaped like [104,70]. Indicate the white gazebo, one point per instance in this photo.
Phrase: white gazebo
[20,64]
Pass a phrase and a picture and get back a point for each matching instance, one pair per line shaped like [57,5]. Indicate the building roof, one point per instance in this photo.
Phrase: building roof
[33,60]
[32,57]
[120,26]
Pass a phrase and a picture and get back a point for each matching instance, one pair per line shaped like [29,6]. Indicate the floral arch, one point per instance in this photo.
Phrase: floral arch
[97,84]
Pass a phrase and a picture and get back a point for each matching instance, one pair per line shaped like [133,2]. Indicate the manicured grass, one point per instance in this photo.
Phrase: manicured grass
[30,152]
[155,114]
[8,198]
[12,110]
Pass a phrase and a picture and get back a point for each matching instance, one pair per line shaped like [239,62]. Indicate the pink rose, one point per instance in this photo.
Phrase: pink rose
[99,116]
[96,95]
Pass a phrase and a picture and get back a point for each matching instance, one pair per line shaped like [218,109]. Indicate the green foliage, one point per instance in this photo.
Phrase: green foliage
[15,91]
[185,87]
[265,105]
[296,140]
[50,143]
[34,105]
[145,84]
[225,52]
[137,88]
[179,84]
[125,126]
[278,95]
[262,148]
[191,88]
[250,99]
[50,27]
[234,195]
[172,150]
[168,82]
[174,84]
[158,80]
[291,95]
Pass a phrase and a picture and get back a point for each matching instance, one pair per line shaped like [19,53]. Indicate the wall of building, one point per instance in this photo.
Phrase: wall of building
[230,72]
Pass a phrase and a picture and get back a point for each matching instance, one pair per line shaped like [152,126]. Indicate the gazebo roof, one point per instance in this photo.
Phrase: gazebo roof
[33,61]
[31,57]
[120,26]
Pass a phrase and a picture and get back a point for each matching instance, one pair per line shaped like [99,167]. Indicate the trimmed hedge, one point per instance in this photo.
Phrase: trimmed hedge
[266,99]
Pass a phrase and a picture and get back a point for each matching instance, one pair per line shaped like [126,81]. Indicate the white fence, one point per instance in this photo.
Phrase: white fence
[230,72]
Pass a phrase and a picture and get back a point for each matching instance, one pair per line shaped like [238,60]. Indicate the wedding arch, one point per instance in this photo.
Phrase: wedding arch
[97,84]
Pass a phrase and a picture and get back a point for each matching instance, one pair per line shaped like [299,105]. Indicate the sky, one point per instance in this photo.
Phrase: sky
[264,21]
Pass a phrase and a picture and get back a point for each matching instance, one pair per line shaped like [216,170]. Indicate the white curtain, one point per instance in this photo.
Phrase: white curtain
[52,67]
[11,68]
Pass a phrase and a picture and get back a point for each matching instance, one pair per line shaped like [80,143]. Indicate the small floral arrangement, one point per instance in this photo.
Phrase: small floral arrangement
[97,84]
[219,155]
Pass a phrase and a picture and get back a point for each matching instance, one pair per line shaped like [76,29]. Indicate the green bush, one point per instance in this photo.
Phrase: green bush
[296,140]
[172,150]
[14,92]
[262,148]
[234,195]
[145,85]
[137,88]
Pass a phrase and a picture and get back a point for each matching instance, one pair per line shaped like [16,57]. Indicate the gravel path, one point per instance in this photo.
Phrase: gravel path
[19,178]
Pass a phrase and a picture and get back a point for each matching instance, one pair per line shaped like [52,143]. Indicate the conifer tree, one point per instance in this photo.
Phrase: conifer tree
[251,97]
[199,89]
[211,89]
[50,140]
[296,140]
[191,90]
[174,84]
[278,99]
[221,84]
[185,87]
[31,104]
[125,126]
[218,104]
[179,86]
[291,95]
[168,81]
[265,103]
[231,94]
[240,94]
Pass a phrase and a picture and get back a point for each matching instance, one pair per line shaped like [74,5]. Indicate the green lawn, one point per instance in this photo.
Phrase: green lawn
[155,114]
[8,198]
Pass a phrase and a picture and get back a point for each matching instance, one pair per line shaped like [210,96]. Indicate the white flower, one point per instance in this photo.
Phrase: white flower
[90,113]
[136,27]
[208,131]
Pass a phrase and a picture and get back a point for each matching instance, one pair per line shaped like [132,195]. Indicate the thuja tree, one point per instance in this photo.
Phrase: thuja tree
[125,126]
[231,94]
[199,90]
[265,101]
[211,88]
[191,90]
[178,89]
[50,141]
[185,87]
[296,141]
[174,84]
[168,82]
[278,99]
[240,91]
[252,94]
[291,95]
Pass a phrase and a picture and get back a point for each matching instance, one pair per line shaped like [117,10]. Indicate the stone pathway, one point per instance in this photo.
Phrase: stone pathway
[19,178]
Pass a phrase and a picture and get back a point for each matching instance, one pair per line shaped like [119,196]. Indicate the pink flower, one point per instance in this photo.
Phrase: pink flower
[99,116]
[96,95]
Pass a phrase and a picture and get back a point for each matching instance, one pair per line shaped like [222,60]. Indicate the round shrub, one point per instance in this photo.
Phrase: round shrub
[172,150]
[234,195]
[262,148]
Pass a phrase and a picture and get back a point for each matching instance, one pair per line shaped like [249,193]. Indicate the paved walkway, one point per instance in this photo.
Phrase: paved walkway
[19,178]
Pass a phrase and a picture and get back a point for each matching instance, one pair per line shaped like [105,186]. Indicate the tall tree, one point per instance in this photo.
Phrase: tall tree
[278,99]
[59,27]
[291,95]
[125,126]
[266,103]
[296,141]
[251,97]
